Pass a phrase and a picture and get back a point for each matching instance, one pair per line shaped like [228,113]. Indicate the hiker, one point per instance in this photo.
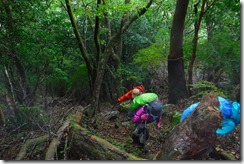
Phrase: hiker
[149,110]
[230,112]
[141,100]
[137,90]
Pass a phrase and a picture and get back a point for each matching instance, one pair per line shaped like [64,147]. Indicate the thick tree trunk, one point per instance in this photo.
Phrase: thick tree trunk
[176,75]
[195,137]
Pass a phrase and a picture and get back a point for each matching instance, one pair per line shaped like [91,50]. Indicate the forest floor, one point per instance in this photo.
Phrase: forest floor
[117,130]
[120,130]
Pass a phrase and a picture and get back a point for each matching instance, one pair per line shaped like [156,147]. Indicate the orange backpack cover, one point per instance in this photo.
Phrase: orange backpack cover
[128,95]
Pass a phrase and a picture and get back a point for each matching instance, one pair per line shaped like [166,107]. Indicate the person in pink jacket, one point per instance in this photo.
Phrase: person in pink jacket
[141,114]
[146,114]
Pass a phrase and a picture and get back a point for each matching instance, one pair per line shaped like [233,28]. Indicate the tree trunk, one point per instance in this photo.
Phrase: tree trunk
[176,75]
[195,137]
[81,45]
[194,42]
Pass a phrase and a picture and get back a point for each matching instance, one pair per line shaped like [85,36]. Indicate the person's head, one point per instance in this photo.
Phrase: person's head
[135,92]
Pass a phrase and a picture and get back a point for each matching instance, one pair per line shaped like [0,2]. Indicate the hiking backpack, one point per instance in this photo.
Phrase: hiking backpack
[154,109]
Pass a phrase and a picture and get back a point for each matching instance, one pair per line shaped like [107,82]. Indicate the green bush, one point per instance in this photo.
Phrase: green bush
[175,118]
[205,87]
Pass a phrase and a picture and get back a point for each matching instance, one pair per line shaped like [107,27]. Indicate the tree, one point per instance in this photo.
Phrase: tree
[197,24]
[22,87]
[176,75]
[98,67]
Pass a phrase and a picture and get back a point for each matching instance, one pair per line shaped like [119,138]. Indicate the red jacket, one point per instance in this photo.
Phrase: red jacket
[128,95]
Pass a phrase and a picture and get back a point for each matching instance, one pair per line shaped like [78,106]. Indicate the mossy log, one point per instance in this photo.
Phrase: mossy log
[195,136]
[82,143]
[85,143]
[28,144]
[52,149]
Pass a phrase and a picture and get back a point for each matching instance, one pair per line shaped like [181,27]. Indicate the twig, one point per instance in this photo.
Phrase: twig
[66,147]
[56,154]
[17,128]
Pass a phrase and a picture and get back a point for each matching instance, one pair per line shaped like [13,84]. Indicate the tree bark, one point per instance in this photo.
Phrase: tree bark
[195,136]
[176,75]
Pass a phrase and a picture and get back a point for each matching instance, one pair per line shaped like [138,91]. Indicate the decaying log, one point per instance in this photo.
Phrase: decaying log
[52,149]
[195,136]
[24,148]
[84,143]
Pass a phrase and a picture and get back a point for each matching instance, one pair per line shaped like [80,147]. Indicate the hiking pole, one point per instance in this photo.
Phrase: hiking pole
[145,135]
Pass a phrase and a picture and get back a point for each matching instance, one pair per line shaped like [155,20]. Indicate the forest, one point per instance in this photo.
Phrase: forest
[65,63]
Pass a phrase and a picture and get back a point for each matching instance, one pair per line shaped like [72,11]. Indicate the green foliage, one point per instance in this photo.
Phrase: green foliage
[150,57]
[58,82]
[80,80]
[206,87]
[131,74]
[175,118]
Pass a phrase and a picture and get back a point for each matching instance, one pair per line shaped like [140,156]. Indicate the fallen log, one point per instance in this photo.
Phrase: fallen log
[82,143]
[85,143]
[28,144]
[52,149]
[195,136]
